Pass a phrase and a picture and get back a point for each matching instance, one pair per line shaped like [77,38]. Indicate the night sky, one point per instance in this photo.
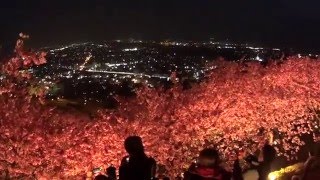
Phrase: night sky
[280,23]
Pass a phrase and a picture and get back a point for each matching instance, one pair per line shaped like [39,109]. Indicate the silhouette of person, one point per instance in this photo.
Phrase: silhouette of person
[101,177]
[137,165]
[311,168]
[111,172]
[207,167]
[263,168]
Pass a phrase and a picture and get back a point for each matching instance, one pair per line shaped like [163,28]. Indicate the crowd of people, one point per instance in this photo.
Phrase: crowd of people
[138,166]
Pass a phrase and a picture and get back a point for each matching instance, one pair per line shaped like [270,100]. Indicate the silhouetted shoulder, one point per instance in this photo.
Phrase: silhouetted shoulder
[151,160]
[125,160]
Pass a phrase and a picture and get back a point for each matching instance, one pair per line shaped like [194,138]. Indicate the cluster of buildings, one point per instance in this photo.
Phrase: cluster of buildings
[93,72]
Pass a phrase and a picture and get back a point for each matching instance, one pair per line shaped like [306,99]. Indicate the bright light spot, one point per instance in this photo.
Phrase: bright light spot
[85,62]
[258,58]
[132,49]
[272,176]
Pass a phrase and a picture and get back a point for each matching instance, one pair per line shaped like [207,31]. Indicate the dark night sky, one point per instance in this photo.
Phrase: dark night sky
[291,23]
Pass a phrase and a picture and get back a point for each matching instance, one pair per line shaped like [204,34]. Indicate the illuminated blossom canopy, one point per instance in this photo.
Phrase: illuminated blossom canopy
[236,108]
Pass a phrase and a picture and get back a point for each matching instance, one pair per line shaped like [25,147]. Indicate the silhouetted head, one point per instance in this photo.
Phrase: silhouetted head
[134,146]
[101,177]
[208,157]
[269,153]
[111,171]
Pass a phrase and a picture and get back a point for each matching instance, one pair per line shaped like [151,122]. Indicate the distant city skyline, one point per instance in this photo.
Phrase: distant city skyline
[122,65]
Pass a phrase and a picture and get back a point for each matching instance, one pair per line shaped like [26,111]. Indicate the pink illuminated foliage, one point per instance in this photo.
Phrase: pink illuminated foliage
[238,107]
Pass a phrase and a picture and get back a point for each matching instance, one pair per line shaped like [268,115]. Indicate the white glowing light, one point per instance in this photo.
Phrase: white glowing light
[85,62]
[258,58]
[130,49]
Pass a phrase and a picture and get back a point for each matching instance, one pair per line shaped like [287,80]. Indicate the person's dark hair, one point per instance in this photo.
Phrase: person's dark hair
[210,154]
[269,153]
[134,145]
[111,172]
[137,165]
[101,177]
